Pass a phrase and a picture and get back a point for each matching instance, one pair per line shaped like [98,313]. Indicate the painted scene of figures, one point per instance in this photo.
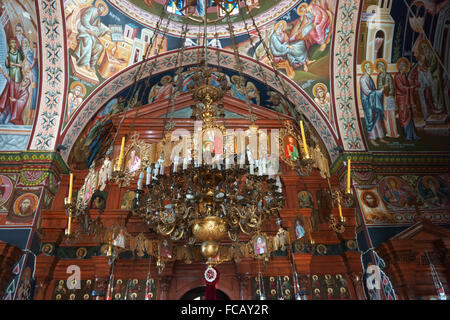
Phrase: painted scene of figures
[403,80]
[19,72]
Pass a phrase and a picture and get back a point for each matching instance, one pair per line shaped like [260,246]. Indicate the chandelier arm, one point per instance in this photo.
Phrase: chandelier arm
[163,232]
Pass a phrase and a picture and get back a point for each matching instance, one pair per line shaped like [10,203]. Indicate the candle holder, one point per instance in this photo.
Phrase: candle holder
[348,198]
[337,225]
[121,178]
[340,199]
[71,212]
[304,166]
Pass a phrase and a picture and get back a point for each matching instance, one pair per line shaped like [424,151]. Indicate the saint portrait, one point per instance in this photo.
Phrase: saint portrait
[6,189]
[133,162]
[395,191]
[75,97]
[434,191]
[260,245]
[305,199]
[24,207]
[98,200]
[373,208]
[322,98]
[299,230]
[119,237]
[291,149]
[165,249]
[127,200]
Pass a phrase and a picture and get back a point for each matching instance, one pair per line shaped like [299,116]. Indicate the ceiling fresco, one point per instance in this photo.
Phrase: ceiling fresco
[403,62]
[321,48]
[19,86]
[118,47]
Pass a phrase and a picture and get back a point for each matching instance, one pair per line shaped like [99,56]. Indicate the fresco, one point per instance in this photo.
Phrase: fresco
[95,140]
[403,82]
[391,200]
[19,68]
[299,46]
[6,190]
[24,206]
[101,42]
[119,42]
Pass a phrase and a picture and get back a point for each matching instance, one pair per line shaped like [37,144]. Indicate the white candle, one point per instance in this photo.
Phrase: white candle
[251,169]
[149,175]
[141,179]
[175,164]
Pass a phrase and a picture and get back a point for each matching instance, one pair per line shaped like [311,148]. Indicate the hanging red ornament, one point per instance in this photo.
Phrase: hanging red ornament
[211,278]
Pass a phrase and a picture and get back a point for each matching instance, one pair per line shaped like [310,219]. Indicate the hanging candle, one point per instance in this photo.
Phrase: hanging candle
[305,146]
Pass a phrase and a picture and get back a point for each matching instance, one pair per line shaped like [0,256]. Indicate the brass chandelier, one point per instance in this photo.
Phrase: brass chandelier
[203,199]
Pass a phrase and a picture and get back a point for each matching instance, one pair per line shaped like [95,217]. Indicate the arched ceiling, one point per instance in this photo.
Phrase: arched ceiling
[148,13]
[116,85]
[333,63]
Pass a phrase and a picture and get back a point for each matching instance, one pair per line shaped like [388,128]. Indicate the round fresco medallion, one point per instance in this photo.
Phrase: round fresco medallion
[321,249]
[47,248]
[398,217]
[6,189]
[351,244]
[86,296]
[81,253]
[434,191]
[408,216]
[395,192]
[25,205]
[437,217]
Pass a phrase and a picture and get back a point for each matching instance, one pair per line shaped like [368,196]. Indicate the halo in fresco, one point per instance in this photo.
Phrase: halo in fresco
[395,192]
[6,189]
[25,205]
[434,191]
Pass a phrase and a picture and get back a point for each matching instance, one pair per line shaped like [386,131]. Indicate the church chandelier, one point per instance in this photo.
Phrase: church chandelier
[209,187]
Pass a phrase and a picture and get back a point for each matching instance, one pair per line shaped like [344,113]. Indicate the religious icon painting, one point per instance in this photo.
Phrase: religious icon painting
[291,151]
[395,192]
[374,210]
[261,246]
[305,199]
[60,291]
[127,200]
[98,200]
[165,249]
[299,227]
[6,190]
[133,161]
[24,206]
[119,237]
[434,191]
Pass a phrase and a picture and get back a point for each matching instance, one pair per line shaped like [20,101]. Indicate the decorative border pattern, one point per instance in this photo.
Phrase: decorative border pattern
[344,75]
[53,68]
[167,62]
[175,28]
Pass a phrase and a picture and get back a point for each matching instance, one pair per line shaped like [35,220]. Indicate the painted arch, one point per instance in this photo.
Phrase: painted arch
[167,62]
